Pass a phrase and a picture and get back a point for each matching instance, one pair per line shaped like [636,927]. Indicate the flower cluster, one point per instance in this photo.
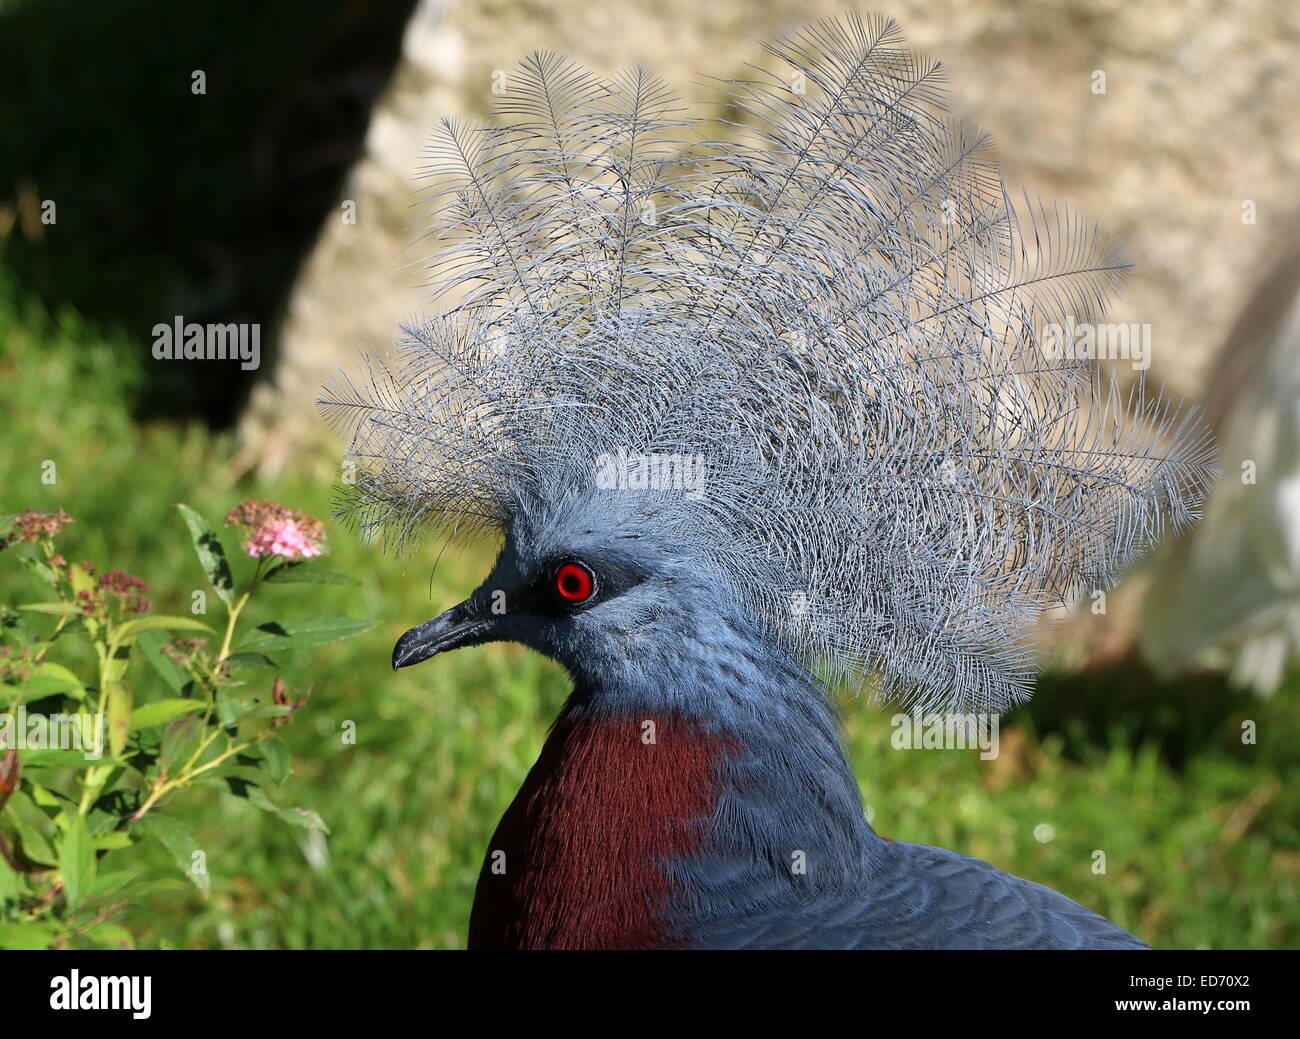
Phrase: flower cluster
[183,650]
[128,589]
[15,663]
[218,732]
[34,525]
[277,530]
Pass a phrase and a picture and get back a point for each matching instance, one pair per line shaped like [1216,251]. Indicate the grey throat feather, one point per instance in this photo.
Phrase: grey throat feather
[837,313]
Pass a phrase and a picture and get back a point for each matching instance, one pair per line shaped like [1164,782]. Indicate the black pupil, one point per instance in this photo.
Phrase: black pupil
[571,582]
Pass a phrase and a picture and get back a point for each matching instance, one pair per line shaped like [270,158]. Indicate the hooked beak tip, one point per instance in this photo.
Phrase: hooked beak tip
[411,650]
[459,626]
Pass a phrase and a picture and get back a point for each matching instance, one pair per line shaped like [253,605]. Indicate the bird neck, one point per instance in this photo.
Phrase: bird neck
[643,817]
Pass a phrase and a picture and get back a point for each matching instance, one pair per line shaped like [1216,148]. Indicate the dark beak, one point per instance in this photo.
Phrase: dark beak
[463,625]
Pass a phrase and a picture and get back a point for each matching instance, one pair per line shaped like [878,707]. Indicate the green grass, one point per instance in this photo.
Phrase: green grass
[1201,833]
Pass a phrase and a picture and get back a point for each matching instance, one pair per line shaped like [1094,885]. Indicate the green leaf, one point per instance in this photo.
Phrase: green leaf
[33,829]
[13,885]
[256,660]
[160,712]
[49,679]
[180,739]
[114,882]
[76,858]
[212,557]
[305,573]
[43,796]
[127,633]
[119,716]
[109,936]
[42,569]
[151,644]
[299,633]
[255,795]
[275,760]
[115,666]
[27,937]
[82,581]
[62,609]
[232,709]
[62,759]
[182,846]
[19,628]
[112,841]
[270,710]
[57,673]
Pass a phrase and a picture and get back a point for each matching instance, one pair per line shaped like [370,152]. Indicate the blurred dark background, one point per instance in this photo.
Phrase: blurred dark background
[171,202]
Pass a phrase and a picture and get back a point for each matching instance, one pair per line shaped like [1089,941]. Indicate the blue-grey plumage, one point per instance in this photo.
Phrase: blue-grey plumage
[744,413]
[922,898]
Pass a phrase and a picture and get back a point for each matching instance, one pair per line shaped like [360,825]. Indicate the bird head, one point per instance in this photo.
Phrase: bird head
[838,309]
[600,585]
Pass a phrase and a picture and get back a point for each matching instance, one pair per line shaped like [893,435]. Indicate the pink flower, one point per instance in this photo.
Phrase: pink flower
[277,530]
[281,537]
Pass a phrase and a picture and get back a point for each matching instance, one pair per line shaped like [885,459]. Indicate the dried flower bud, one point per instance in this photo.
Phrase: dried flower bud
[8,774]
[280,695]
[184,649]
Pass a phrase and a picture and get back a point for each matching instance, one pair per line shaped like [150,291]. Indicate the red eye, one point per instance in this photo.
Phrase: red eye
[573,582]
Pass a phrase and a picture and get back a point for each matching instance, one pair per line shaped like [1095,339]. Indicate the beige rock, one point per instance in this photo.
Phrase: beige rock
[1201,112]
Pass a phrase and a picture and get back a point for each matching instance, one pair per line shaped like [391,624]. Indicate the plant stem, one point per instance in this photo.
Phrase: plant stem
[230,625]
[235,610]
[105,653]
[160,790]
